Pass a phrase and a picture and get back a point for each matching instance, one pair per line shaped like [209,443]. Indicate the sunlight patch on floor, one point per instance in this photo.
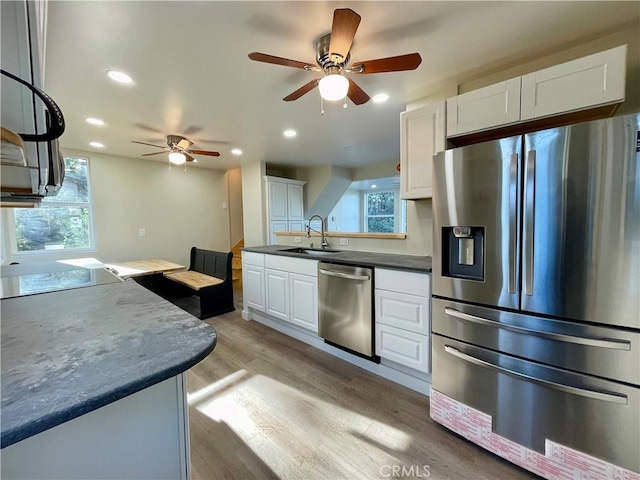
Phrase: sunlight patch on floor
[272,417]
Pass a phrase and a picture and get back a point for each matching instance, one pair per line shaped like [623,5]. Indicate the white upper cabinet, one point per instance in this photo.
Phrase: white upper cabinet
[278,204]
[422,135]
[285,205]
[586,82]
[484,108]
[295,208]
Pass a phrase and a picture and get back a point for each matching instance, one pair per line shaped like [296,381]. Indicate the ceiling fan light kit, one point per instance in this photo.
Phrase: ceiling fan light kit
[333,87]
[333,53]
[177,158]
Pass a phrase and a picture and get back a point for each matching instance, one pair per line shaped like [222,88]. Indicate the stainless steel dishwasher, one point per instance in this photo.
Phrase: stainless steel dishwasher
[346,307]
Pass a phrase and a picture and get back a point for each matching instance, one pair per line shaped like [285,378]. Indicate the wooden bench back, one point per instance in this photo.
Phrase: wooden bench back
[209,262]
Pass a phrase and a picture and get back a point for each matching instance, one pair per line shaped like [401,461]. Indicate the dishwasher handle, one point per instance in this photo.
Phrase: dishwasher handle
[348,276]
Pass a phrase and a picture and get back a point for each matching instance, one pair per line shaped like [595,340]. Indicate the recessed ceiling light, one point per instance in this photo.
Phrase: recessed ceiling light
[290,133]
[94,121]
[374,186]
[381,97]
[97,144]
[120,76]
[236,151]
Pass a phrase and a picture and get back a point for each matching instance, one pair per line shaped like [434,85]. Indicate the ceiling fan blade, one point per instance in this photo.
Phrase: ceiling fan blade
[389,64]
[263,57]
[345,25]
[189,157]
[356,94]
[156,153]
[203,152]
[306,88]
[151,145]
[184,143]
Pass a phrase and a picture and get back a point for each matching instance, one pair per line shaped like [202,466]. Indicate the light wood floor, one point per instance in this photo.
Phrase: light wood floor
[264,405]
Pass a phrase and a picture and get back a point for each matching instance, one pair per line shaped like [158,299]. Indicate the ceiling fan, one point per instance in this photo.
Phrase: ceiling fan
[179,151]
[332,58]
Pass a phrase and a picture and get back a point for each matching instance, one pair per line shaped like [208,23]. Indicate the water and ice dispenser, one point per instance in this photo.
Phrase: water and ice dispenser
[463,252]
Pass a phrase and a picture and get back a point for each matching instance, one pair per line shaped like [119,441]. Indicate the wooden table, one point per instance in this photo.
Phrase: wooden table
[138,268]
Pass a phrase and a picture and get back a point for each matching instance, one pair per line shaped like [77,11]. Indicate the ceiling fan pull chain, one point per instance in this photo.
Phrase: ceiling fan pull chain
[321,106]
[345,103]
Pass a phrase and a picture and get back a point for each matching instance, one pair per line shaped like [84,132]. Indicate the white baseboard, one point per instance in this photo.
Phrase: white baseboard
[417,381]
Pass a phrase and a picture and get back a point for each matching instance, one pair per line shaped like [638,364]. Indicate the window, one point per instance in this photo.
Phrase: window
[380,211]
[62,222]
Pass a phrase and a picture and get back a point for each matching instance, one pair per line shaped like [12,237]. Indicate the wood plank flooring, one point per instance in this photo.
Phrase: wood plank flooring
[264,405]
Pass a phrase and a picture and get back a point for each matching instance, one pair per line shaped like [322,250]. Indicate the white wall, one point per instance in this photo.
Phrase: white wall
[177,209]
[236,227]
[347,214]
[253,201]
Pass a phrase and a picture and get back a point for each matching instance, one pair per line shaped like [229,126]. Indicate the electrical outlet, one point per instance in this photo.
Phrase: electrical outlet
[225,204]
[143,232]
[297,239]
[344,241]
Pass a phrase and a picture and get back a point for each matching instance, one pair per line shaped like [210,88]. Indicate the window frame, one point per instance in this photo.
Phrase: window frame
[64,252]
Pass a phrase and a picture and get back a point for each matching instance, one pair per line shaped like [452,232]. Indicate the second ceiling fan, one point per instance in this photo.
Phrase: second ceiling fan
[332,58]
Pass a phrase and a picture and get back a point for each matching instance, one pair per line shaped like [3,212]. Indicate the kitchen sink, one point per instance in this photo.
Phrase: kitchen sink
[310,251]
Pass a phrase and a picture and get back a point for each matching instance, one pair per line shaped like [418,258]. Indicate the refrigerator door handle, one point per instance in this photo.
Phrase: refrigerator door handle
[606,396]
[590,341]
[513,185]
[529,216]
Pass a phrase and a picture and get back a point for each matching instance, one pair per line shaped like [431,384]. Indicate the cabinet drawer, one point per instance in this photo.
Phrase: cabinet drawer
[292,265]
[408,312]
[406,348]
[252,258]
[411,283]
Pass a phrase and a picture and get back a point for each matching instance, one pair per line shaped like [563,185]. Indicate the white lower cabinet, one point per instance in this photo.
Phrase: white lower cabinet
[283,287]
[253,286]
[403,320]
[304,301]
[277,293]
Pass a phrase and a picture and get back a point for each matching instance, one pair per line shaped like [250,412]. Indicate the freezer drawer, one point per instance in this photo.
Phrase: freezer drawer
[530,402]
[602,351]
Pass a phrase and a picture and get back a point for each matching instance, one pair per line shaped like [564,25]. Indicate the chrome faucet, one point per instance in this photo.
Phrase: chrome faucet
[323,239]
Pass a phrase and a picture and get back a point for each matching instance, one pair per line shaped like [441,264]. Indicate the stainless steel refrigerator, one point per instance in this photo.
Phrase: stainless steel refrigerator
[536,285]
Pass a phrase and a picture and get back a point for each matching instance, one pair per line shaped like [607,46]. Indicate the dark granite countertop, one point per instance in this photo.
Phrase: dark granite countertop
[67,353]
[415,263]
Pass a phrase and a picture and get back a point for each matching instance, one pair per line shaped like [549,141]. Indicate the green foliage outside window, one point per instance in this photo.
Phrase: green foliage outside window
[61,222]
[380,208]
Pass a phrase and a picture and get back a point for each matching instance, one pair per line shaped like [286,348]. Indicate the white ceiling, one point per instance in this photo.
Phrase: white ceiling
[193,77]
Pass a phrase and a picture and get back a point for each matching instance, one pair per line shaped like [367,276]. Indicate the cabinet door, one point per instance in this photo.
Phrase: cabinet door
[403,347]
[277,294]
[297,226]
[422,135]
[295,202]
[586,82]
[253,287]
[485,108]
[303,291]
[279,226]
[278,201]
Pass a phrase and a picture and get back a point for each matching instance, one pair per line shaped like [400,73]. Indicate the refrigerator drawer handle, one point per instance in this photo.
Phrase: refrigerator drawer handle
[607,397]
[594,342]
[343,275]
